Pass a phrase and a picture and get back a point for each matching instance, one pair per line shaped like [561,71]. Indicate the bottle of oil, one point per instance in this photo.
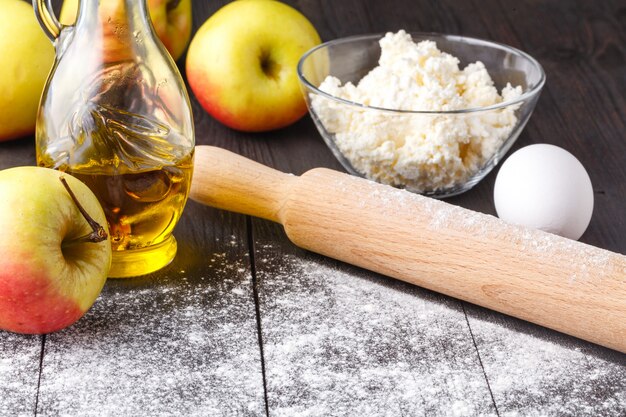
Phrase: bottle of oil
[115,114]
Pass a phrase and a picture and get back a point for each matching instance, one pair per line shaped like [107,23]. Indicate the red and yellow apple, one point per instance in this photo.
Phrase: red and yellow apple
[52,267]
[241,64]
[27,56]
[171,20]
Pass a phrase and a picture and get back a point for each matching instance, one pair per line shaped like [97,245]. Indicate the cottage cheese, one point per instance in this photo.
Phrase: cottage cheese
[420,152]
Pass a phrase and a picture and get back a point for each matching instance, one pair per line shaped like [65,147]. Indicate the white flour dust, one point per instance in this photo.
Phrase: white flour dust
[343,345]
[338,341]
[583,261]
[166,348]
[19,372]
[530,375]
[341,342]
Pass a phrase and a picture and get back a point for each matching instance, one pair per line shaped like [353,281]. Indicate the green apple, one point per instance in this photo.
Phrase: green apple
[171,20]
[27,57]
[241,64]
[55,257]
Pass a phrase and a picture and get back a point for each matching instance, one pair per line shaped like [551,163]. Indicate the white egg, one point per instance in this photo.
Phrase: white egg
[545,187]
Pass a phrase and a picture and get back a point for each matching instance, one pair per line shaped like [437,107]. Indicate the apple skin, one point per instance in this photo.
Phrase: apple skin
[27,56]
[44,287]
[173,27]
[241,64]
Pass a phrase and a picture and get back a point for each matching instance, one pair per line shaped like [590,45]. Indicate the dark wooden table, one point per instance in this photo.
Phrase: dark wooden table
[244,323]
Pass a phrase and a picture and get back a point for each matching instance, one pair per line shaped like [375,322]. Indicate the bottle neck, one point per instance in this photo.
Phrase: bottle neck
[117,23]
[119,10]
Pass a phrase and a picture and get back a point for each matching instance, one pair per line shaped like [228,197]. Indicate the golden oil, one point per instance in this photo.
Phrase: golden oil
[141,208]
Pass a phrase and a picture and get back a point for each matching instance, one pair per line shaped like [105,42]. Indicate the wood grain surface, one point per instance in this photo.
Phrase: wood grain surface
[244,323]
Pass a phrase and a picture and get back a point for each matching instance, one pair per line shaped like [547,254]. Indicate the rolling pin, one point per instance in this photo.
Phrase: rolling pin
[552,281]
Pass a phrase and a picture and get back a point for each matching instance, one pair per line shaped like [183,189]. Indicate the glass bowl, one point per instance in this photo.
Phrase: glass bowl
[404,148]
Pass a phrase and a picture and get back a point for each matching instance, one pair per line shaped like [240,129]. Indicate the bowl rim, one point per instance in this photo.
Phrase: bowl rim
[524,96]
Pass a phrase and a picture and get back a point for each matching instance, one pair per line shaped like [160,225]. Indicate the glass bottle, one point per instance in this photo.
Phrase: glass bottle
[115,114]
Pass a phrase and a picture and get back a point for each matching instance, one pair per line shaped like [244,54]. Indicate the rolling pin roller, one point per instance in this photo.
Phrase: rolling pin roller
[542,278]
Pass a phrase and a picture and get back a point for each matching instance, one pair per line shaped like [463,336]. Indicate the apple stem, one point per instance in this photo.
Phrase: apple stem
[98,233]
[171,5]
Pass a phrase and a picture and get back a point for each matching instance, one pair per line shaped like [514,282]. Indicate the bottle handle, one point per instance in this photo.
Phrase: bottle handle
[48,21]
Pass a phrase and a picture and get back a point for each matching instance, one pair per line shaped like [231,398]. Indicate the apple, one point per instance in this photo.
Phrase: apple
[27,57]
[241,64]
[55,257]
[171,20]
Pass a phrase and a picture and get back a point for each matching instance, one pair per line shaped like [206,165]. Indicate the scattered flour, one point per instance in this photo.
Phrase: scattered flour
[19,373]
[343,342]
[166,347]
[540,247]
[420,152]
[338,341]
[339,344]
[538,373]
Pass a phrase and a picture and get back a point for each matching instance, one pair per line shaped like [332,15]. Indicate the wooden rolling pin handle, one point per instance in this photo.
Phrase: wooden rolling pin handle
[542,278]
[228,181]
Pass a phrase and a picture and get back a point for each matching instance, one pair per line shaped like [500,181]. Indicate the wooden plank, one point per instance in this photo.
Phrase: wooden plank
[535,372]
[531,370]
[19,373]
[581,47]
[342,341]
[181,341]
[17,153]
